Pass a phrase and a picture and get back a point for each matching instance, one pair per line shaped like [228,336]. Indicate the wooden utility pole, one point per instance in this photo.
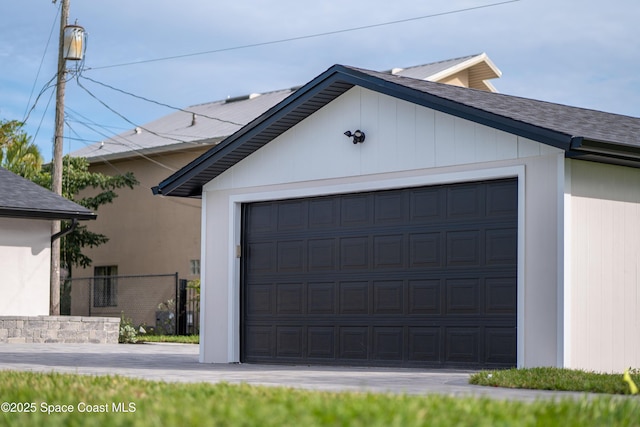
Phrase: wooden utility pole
[58,143]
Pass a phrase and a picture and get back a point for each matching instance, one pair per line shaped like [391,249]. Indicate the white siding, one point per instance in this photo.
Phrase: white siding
[399,136]
[406,145]
[25,259]
[604,260]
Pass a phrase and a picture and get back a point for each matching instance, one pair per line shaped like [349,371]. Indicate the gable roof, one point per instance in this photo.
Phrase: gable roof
[21,198]
[214,121]
[582,133]
[480,68]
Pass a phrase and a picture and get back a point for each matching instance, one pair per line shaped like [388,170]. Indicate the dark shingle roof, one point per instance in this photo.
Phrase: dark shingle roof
[21,198]
[582,133]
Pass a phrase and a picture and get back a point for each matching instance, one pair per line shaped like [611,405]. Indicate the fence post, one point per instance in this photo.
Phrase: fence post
[181,307]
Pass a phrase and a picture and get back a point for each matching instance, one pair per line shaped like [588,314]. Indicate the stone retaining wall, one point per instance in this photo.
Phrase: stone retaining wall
[59,329]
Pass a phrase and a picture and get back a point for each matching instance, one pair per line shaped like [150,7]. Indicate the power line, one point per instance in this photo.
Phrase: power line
[53,26]
[309,36]
[162,104]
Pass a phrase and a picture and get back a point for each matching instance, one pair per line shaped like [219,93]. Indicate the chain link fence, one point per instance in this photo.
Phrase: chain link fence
[161,303]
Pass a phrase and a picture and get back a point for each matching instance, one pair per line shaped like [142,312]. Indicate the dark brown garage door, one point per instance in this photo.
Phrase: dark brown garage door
[412,277]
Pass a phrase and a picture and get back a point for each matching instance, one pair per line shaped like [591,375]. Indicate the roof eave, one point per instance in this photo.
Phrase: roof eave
[604,152]
[45,215]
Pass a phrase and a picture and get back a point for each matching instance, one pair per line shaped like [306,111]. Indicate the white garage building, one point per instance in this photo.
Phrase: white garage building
[467,229]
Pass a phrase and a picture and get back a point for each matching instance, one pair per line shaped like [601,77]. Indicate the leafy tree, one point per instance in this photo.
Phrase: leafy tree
[75,178]
[17,153]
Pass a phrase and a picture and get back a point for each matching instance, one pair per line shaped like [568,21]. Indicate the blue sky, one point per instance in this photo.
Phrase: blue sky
[583,53]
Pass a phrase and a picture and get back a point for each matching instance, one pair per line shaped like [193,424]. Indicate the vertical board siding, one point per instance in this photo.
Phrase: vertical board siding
[605,260]
[399,136]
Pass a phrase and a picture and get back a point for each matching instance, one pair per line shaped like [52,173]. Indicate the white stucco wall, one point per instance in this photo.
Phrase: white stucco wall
[25,259]
[603,266]
[406,145]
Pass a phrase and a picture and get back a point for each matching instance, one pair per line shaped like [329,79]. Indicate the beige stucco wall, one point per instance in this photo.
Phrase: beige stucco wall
[603,266]
[25,259]
[406,145]
[147,234]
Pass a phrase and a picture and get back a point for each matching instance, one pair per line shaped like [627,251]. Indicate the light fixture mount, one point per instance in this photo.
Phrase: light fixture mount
[358,136]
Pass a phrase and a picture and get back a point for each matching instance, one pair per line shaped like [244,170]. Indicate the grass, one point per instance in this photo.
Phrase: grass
[556,379]
[182,339]
[160,404]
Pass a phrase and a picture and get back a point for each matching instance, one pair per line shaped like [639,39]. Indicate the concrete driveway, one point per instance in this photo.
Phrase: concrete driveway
[179,363]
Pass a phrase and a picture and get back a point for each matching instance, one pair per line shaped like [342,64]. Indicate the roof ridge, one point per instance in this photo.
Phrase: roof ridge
[433,63]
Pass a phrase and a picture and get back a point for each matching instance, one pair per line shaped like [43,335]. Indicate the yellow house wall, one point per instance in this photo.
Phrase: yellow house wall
[147,234]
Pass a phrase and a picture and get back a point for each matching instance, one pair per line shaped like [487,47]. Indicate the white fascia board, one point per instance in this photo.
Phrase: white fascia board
[482,58]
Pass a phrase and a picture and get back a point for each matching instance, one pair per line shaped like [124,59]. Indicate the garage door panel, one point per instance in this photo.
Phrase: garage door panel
[412,277]
[291,256]
[259,341]
[322,255]
[425,297]
[388,251]
[261,257]
[501,246]
[290,298]
[259,299]
[354,253]
[290,342]
[354,298]
[390,208]
[463,248]
[500,200]
[462,345]
[426,205]
[321,298]
[465,201]
[388,297]
[355,211]
[388,343]
[324,213]
[354,342]
[501,295]
[425,250]
[500,344]
[424,344]
[321,342]
[463,296]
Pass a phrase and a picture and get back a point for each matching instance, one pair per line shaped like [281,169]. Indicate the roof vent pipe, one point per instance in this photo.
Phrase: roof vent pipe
[193,119]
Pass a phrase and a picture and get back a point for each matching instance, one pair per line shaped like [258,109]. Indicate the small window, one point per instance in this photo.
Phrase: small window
[105,286]
[194,267]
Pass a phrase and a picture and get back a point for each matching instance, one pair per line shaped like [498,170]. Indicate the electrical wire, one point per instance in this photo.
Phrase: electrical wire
[131,146]
[104,104]
[309,36]
[42,59]
[162,104]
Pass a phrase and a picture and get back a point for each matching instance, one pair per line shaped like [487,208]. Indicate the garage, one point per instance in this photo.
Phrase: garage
[415,277]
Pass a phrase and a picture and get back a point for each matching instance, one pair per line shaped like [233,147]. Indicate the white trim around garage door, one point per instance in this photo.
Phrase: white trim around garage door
[235,211]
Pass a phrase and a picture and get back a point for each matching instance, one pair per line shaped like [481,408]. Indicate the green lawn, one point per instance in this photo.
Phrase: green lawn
[556,379]
[168,404]
[182,339]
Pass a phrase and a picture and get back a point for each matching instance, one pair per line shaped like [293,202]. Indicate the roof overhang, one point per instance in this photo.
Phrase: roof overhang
[188,181]
[22,213]
[480,68]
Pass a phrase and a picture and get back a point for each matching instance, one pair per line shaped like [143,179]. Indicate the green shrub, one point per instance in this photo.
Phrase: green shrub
[128,334]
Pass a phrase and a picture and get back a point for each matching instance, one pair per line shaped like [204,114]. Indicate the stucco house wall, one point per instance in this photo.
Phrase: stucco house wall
[25,257]
[407,145]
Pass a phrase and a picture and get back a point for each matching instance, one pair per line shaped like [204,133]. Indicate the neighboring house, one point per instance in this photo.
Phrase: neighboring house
[26,212]
[468,229]
[154,235]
